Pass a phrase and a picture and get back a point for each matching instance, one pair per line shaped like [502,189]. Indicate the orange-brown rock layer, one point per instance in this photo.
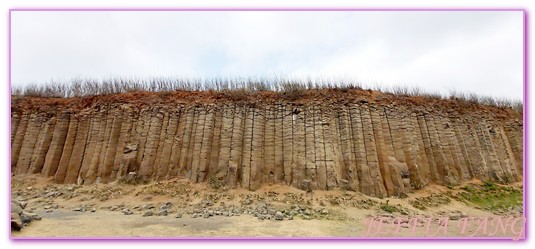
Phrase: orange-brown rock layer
[380,148]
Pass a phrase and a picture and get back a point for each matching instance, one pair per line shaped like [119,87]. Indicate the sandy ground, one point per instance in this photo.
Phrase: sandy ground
[346,218]
[109,224]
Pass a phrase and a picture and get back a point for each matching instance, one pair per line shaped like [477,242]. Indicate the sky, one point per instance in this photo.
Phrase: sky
[466,51]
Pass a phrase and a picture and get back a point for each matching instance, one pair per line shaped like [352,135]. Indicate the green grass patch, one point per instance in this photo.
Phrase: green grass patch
[491,197]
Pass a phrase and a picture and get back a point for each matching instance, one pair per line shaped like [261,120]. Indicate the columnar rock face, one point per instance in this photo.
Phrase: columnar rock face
[379,149]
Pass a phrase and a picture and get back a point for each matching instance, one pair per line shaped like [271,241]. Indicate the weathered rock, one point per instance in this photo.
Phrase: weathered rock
[31,216]
[454,216]
[16,222]
[148,206]
[25,218]
[166,206]
[279,216]
[148,213]
[16,208]
[375,147]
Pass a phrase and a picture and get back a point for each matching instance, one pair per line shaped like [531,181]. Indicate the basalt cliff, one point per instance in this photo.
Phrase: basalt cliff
[366,141]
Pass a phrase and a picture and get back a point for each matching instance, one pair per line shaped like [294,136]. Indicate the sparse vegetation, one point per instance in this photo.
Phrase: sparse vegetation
[388,208]
[393,208]
[433,200]
[492,197]
[216,183]
[132,179]
[239,88]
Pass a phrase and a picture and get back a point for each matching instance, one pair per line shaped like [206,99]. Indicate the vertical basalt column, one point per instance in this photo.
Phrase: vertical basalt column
[331,146]
[321,168]
[133,138]
[279,144]
[142,131]
[178,143]
[18,139]
[236,147]
[298,145]
[403,150]
[339,133]
[410,149]
[257,149]
[395,161]
[501,151]
[493,165]
[28,144]
[438,154]
[417,145]
[42,145]
[287,143]
[501,169]
[78,151]
[197,143]
[110,117]
[147,166]
[383,152]
[189,142]
[348,168]
[160,145]
[445,132]
[227,124]
[247,147]
[478,152]
[268,171]
[509,158]
[216,142]
[97,142]
[452,167]
[190,155]
[125,135]
[466,158]
[111,148]
[456,148]
[396,132]
[15,121]
[167,146]
[514,133]
[92,137]
[310,147]
[372,156]
[53,155]
[207,146]
[426,141]
[358,142]
[59,176]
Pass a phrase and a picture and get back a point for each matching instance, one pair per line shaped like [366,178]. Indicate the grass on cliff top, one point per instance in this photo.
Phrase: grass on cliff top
[240,87]
[492,197]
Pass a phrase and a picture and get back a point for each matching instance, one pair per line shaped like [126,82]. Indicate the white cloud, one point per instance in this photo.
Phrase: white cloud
[469,51]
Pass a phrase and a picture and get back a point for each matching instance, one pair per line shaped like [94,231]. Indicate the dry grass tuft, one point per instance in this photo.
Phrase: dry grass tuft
[241,88]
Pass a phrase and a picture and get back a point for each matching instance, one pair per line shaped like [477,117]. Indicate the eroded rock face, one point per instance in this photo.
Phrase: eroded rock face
[19,217]
[379,150]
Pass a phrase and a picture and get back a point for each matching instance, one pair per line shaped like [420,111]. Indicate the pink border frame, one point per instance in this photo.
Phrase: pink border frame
[280,239]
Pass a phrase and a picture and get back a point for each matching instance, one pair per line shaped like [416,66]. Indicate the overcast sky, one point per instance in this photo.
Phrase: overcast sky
[478,52]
